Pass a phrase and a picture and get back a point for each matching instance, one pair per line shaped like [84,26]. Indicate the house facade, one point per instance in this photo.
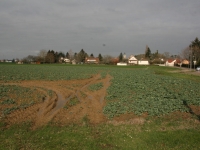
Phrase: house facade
[66,60]
[173,62]
[92,60]
[132,60]
[185,62]
[73,62]
[143,62]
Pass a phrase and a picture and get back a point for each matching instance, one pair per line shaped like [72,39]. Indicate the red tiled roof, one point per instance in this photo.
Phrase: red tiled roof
[170,60]
[178,61]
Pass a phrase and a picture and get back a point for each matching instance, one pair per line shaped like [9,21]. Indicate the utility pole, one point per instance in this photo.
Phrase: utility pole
[194,62]
[190,57]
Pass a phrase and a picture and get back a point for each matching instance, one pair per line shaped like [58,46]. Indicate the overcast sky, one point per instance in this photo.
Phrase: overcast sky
[108,27]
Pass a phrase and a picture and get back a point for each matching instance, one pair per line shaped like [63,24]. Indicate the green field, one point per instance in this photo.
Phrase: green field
[157,92]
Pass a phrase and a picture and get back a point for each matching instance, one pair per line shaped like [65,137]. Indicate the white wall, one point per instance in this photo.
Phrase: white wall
[132,62]
[142,62]
[169,64]
[121,64]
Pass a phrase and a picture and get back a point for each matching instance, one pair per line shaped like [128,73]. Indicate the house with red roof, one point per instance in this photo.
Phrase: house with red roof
[173,62]
[92,60]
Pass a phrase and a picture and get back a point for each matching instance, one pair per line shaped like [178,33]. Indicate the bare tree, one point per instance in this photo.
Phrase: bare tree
[185,53]
[42,55]
[166,55]
[71,54]
[107,59]
[29,58]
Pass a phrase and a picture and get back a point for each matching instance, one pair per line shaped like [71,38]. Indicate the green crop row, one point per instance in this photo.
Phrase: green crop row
[136,90]
[142,91]
[95,87]
[44,72]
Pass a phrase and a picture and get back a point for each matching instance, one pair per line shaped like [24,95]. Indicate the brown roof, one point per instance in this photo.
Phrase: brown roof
[92,59]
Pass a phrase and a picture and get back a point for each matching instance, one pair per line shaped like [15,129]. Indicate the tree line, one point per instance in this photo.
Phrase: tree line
[52,56]
[192,53]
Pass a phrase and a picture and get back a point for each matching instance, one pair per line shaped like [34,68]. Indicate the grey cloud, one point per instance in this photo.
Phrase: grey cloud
[123,26]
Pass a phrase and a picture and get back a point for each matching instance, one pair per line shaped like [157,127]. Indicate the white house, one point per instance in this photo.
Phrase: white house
[132,60]
[8,61]
[73,62]
[66,60]
[172,62]
[143,62]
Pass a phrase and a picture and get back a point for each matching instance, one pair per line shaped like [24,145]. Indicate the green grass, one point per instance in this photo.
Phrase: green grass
[104,136]
[168,71]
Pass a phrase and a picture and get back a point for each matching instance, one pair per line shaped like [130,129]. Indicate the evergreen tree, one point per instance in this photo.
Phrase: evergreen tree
[195,50]
[75,56]
[81,56]
[120,57]
[100,57]
[56,57]
[156,54]
[67,55]
[50,58]
[91,55]
[148,53]
[61,54]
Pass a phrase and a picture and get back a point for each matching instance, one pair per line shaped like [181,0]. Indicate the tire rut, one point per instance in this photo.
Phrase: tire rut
[52,107]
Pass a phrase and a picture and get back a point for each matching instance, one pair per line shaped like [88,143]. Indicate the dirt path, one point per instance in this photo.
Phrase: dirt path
[188,71]
[88,107]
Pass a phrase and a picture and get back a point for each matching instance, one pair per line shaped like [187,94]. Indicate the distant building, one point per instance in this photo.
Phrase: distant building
[185,62]
[173,62]
[92,60]
[143,62]
[132,60]
[121,64]
[66,60]
[9,61]
[20,62]
[73,62]
[124,56]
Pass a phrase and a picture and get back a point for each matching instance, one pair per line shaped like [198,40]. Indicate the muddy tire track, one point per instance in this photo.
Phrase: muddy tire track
[90,105]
